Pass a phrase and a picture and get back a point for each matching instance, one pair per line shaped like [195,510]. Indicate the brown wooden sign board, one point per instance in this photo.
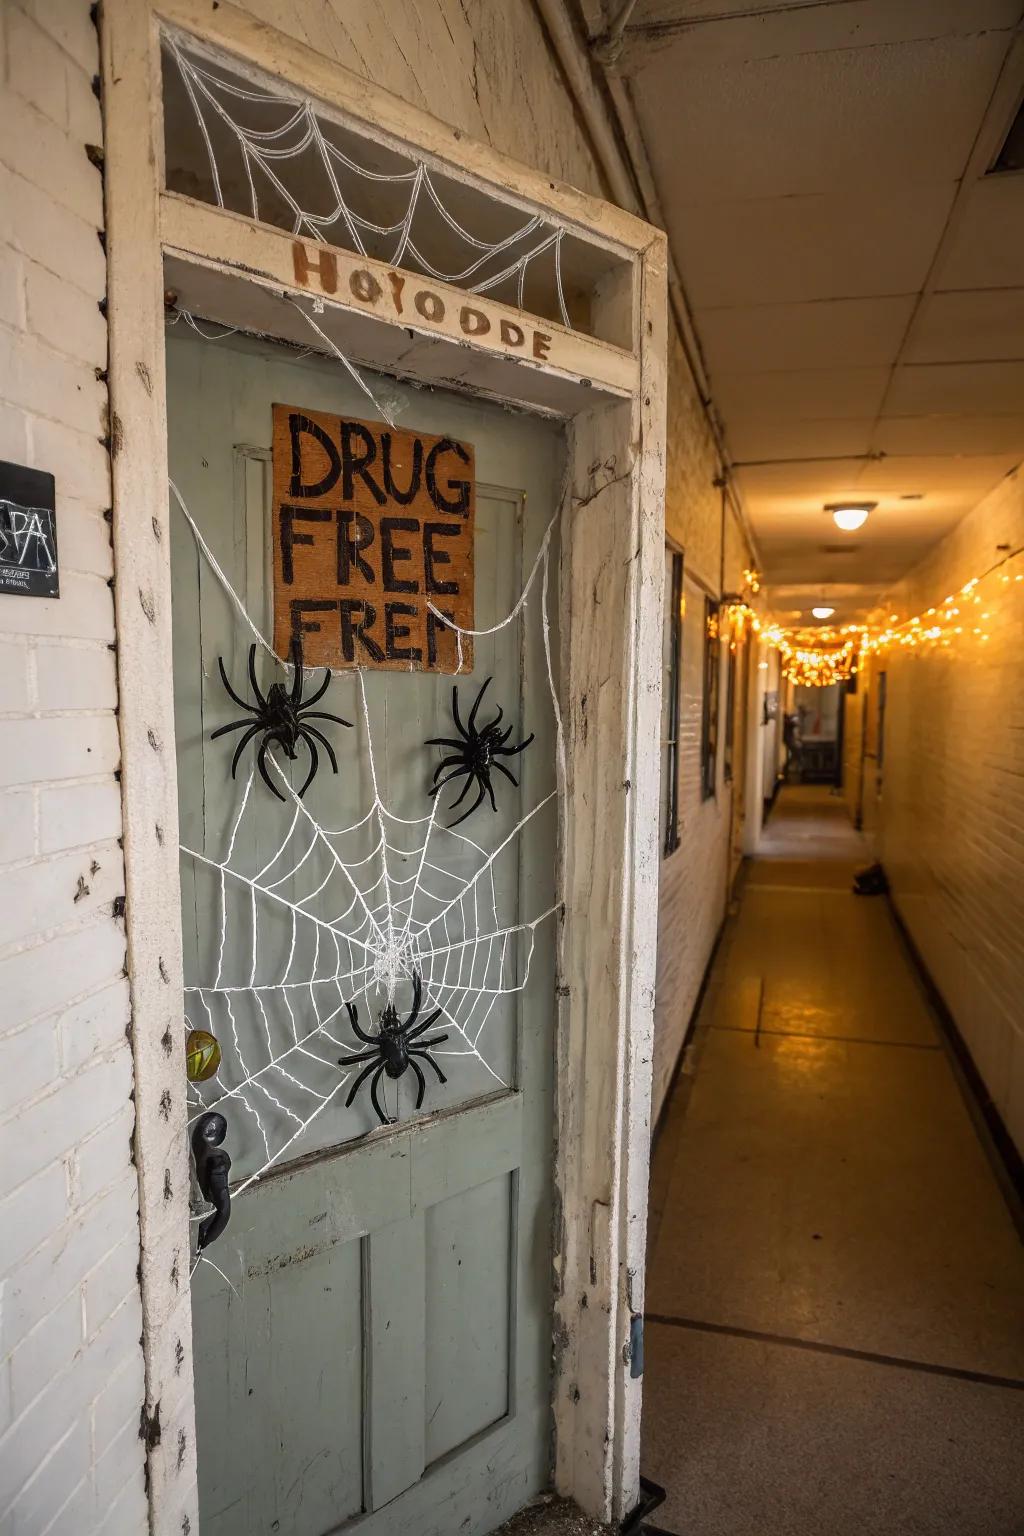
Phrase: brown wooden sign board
[371,525]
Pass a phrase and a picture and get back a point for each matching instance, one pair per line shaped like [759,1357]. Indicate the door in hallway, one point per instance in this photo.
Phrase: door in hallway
[374,1343]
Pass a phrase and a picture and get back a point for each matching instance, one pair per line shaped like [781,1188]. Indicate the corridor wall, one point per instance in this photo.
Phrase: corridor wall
[950,825]
[695,878]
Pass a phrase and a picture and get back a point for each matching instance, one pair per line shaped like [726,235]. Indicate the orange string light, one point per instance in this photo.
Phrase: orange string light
[821,655]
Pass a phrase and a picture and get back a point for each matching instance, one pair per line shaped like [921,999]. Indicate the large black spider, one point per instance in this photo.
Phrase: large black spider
[390,1051]
[282,716]
[476,753]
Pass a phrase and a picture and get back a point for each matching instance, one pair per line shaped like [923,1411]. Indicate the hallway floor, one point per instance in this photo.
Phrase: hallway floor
[835,1299]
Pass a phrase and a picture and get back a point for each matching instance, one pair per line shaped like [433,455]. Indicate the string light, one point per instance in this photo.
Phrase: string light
[821,655]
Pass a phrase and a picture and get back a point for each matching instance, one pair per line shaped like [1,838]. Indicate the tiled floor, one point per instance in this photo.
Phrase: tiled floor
[835,1299]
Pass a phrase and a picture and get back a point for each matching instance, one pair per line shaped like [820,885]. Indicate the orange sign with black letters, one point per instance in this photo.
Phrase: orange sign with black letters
[373,540]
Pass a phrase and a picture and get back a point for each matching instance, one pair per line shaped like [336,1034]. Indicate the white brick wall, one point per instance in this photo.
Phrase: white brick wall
[71,1378]
[950,820]
[692,894]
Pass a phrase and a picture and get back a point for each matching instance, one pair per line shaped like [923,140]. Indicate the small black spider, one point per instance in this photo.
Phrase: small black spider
[390,1050]
[476,753]
[281,716]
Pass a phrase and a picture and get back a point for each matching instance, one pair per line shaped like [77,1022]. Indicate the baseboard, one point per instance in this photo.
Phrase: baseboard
[688,1032]
[1003,1153]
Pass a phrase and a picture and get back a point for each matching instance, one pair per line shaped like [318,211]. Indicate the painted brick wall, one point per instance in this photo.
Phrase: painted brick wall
[481,66]
[692,895]
[951,813]
[71,1377]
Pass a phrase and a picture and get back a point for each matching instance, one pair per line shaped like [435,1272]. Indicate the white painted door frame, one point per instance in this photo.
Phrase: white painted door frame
[612,538]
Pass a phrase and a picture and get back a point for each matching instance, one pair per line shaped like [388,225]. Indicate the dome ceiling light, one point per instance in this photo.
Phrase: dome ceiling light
[822,613]
[850,515]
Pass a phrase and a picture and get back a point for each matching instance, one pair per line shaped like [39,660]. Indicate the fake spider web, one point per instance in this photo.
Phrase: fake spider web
[312,918]
[255,139]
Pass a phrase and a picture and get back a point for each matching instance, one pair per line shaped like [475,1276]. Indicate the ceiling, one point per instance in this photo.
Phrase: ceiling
[855,277]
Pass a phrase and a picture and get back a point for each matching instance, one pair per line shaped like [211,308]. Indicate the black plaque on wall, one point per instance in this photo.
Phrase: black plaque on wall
[28,533]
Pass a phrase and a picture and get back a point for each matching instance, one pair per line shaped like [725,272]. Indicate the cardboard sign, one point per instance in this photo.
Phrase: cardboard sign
[371,526]
[28,533]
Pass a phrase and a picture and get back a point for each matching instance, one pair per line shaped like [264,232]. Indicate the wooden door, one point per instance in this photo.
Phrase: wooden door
[372,1333]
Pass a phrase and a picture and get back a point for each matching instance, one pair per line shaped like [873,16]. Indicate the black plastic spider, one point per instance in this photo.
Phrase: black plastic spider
[281,716]
[390,1051]
[476,753]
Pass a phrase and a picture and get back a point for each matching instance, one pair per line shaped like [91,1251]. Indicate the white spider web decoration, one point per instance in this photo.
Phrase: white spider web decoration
[311,918]
[260,134]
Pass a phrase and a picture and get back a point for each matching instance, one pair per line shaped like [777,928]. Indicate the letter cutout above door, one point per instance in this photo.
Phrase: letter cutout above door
[373,529]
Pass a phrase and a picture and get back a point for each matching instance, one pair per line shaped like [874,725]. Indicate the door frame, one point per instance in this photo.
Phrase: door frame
[613,401]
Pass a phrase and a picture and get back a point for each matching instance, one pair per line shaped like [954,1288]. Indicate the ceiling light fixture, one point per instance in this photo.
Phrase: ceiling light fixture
[850,515]
[822,613]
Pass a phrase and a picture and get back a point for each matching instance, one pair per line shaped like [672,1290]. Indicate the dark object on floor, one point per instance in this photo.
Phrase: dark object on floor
[818,761]
[871,881]
[282,716]
[651,1496]
[475,754]
[390,1050]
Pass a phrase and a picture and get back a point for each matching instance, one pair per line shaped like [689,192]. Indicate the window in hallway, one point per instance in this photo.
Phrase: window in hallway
[709,718]
[672,662]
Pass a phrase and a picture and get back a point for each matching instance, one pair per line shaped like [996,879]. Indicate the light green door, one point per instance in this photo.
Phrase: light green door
[372,1333]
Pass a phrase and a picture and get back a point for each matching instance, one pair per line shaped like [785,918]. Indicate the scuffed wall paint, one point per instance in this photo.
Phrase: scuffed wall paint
[693,502]
[951,813]
[483,67]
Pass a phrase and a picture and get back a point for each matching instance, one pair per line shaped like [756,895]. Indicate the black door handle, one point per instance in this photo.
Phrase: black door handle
[213,1166]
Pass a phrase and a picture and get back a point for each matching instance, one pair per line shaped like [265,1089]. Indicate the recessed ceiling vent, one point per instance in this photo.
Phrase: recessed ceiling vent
[1011,156]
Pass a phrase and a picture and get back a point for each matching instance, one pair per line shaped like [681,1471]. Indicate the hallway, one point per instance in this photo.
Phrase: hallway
[835,1300]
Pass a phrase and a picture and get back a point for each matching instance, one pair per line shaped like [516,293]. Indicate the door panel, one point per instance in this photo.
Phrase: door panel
[468,1247]
[396,1315]
[277,1384]
[373,1346]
